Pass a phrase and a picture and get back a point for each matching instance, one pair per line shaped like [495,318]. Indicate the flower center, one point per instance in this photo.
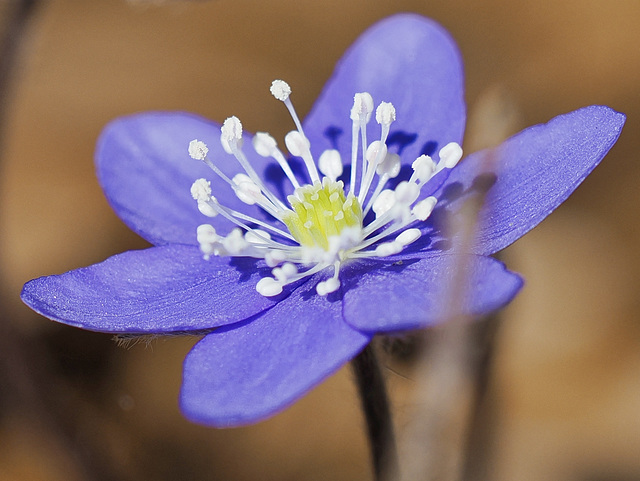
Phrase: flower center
[321,212]
[324,226]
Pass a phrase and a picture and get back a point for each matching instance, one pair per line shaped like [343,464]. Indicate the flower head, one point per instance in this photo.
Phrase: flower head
[291,266]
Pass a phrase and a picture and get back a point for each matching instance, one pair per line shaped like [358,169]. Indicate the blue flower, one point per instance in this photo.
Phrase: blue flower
[288,301]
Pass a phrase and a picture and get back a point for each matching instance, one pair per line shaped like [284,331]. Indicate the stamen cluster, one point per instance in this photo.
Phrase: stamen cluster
[324,226]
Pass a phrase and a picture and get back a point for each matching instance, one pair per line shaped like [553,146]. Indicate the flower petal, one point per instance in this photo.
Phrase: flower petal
[417,292]
[145,170]
[240,375]
[157,290]
[531,174]
[407,60]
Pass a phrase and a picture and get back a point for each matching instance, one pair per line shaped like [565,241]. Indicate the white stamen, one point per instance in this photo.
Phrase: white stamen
[247,190]
[280,90]
[385,201]
[285,273]
[360,115]
[208,239]
[423,168]
[268,287]
[206,233]
[408,236]
[275,257]
[327,287]
[422,210]
[198,150]
[330,164]
[289,269]
[407,192]
[264,144]
[388,249]
[256,236]
[206,208]
[362,107]
[390,166]
[231,129]
[296,144]
[201,190]
[385,113]
[374,151]
[450,154]
[235,243]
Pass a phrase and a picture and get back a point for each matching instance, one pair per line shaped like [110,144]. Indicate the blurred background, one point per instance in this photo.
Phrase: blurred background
[563,393]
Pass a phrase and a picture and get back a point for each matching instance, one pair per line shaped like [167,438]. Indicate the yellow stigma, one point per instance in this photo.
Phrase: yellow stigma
[321,211]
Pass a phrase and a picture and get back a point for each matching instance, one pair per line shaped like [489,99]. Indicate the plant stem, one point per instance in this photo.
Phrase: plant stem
[375,405]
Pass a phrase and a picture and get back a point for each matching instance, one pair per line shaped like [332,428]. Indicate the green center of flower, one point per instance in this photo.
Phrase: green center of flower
[321,211]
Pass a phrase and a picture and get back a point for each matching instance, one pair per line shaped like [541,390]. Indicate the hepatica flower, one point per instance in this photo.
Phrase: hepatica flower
[291,265]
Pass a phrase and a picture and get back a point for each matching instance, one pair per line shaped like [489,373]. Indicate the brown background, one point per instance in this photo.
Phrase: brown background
[564,394]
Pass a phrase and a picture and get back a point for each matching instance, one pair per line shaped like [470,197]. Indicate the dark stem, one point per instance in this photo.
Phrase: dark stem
[375,405]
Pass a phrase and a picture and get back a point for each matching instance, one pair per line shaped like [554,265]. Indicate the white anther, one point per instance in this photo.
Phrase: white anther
[408,236]
[450,154]
[256,236]
[362,105]
[326,287]
[234,243]
[206,233]
[349,237]
[424,167]
[201,190]
[208,239]
[230,132]
[407,192]
[280,90]
[279,275]
[390,166]
[232,128]
[264,144]
[246,189]
[275,257]
[268,287]
[330,164]
[289,269]
[385,201]
[297,144]
[285,272]
[385,113]
[207,209]
[198,150]
[374,149]
[422,210]
[388,249]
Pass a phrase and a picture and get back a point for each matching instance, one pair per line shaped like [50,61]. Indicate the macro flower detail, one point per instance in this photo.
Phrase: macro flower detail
[283,296]
[326,224]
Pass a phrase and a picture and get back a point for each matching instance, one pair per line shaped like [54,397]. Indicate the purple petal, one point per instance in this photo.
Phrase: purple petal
[241,375]
[157,290]
[532,173]
[145,170]
[414,292]
[410,61]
